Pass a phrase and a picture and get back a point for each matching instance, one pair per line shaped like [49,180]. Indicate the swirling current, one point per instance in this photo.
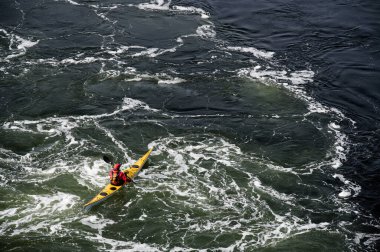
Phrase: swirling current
[263,116]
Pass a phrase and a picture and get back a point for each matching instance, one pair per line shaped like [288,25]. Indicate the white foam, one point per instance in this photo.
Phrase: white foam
[63,126]
[187,161]
[340,177]
[154,5]
[24,43]
[257,183]
[206,31]
[86,60]
[264,75]
[191,9]
[123,49]
[72,2]
[5,32]
[161,78]
[18,45]
[117,142]
[39,213]
[151,52]
[111,73]
[349,189]
[91,174]
[134,79]
[272,192]
[162,5]
[279,76]
[133,104]
[256,52]
[309,226]
[142,216]
[369,239]
[8,212]
[333,125]
[301,77]
[344,194]
[54,203]
[154,52]
[94,222]
[68,61]
[104,17]
[220,153]
[117,245]
[191,153]
[341,146]
[174,80]
[68,1]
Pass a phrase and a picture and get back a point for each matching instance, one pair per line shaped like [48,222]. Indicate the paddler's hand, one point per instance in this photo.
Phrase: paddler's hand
[130,180]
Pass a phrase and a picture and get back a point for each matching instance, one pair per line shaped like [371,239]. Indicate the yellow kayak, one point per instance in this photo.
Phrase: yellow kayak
[110,189]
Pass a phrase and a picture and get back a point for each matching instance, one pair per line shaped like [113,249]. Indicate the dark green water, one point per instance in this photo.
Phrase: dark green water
[248,156]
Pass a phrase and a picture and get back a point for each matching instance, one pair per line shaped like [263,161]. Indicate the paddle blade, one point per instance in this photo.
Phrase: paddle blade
[107,160]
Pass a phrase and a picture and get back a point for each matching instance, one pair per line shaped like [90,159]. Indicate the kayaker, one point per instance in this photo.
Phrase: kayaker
[117,177]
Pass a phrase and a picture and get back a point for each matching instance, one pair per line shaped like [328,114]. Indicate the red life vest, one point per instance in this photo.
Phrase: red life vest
[117,177]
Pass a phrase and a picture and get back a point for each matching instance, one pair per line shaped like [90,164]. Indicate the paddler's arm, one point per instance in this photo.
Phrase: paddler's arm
[130,179]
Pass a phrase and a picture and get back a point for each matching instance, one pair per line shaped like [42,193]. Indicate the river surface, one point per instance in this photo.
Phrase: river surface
[264,117]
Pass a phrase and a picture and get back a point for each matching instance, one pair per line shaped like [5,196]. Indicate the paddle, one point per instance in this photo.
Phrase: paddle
[109,161]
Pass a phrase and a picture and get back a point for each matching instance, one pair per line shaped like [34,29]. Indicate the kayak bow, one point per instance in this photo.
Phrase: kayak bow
[110,189]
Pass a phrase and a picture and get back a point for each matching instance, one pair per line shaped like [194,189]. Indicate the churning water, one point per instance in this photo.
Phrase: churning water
[263,115]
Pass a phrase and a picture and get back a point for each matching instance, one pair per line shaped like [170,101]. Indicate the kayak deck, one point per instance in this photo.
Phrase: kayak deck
[110,189]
